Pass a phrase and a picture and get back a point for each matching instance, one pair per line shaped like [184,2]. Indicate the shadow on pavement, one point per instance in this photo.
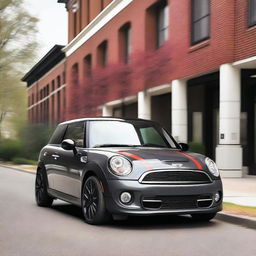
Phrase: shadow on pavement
[161,222]
[68,209]
[140,222]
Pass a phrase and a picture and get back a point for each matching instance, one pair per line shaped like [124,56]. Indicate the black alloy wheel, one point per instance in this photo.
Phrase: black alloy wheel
[93,204]
[42,197]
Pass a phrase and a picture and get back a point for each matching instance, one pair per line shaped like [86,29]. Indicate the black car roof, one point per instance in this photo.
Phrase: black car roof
[105,119]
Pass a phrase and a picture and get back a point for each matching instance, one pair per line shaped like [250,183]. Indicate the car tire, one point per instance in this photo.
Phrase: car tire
[203,217]
[93,203]
[42,197]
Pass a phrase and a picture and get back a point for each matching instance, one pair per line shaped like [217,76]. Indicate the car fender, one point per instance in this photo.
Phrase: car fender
[92,168]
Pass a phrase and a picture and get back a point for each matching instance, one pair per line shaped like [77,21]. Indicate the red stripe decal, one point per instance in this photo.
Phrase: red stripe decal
[198,165]
[136,158]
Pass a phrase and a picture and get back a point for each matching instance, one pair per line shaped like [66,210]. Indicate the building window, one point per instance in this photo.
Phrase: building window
[53,85]
[58,81]
[47,90]
[64,77]
[58,106]
[162,24]
[200,21]
[75,74]
[53,108]
[88,65]
[252,12]
[125,43]
[103,54]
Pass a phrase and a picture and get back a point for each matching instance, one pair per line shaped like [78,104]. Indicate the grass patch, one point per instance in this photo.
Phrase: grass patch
[20,160]
[239,209]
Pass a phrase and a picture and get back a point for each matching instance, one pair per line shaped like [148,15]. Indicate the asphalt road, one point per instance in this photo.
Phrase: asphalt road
[26,229]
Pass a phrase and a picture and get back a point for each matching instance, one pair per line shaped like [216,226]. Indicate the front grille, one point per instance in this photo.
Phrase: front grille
[175,177]
[177,202]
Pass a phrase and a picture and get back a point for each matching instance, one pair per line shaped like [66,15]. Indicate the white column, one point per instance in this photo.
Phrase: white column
[107,110]
[144,105]
[229,151]
[179,111]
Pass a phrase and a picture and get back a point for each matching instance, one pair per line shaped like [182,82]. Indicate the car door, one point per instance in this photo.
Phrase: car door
[70,166]
[51,154]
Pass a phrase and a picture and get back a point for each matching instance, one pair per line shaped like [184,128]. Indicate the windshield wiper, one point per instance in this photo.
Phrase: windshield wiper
[115,145]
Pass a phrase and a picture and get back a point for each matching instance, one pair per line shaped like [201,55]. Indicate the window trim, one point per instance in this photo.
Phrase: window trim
[192,41]
[249,13]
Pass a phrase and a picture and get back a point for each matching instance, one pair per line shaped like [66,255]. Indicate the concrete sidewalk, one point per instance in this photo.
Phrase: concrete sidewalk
[241,191]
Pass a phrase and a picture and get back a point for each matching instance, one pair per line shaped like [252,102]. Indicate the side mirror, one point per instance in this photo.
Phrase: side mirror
[184,146]
[69,144]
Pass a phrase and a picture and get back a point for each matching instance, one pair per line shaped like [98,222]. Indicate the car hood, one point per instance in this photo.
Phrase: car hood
[159,158]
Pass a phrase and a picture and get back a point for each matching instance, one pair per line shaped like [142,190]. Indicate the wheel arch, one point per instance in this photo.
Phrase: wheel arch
[94,169]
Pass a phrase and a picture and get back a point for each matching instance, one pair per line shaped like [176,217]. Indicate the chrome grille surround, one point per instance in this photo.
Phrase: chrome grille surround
[202,174]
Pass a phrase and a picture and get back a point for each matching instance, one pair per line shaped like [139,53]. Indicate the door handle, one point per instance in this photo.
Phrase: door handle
[55,157]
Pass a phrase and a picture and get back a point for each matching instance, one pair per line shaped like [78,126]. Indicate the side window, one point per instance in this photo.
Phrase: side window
[75,132]
[58,134]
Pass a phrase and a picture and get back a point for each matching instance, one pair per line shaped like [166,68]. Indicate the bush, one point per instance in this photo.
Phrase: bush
[9,149]
[21,160]
[196,147]
[33,138]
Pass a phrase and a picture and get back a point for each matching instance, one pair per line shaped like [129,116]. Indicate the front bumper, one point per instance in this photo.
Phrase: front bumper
[140,192]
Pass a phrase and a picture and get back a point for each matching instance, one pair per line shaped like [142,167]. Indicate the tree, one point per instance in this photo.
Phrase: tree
[17,49]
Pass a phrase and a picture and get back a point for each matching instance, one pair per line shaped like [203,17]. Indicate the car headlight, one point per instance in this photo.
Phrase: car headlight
[212,167]
[120,165]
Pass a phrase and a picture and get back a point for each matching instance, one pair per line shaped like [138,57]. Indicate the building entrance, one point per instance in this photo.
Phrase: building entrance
[203,112]
[248,119]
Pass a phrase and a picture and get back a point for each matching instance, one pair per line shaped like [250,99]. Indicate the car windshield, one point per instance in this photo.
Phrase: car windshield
[128,134]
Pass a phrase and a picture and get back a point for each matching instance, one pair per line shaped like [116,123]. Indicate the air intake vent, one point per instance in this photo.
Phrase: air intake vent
[175,177]
[177,202]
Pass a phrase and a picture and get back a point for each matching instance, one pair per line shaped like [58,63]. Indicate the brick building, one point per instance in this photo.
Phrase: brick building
[188,64]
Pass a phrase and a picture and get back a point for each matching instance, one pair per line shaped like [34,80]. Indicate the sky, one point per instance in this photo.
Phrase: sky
[52,25]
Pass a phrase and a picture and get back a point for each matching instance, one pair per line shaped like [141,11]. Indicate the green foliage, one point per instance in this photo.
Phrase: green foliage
[21,160]
[17,49]
[33,138]
[9,149]
[196,147]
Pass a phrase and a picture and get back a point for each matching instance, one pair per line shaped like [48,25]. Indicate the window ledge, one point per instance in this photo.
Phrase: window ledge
[199,46]
[251,27]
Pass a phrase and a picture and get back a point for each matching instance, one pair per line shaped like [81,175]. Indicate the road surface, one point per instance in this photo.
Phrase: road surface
[26,229]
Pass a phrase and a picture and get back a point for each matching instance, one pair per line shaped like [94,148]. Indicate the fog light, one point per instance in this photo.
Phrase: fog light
[217,197]
[125,197]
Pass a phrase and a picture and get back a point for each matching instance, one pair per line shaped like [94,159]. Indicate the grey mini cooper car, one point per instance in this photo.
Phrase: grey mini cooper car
[117,167]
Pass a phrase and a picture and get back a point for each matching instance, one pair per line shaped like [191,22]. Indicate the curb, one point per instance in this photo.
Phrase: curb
[248,222]
[17,169]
